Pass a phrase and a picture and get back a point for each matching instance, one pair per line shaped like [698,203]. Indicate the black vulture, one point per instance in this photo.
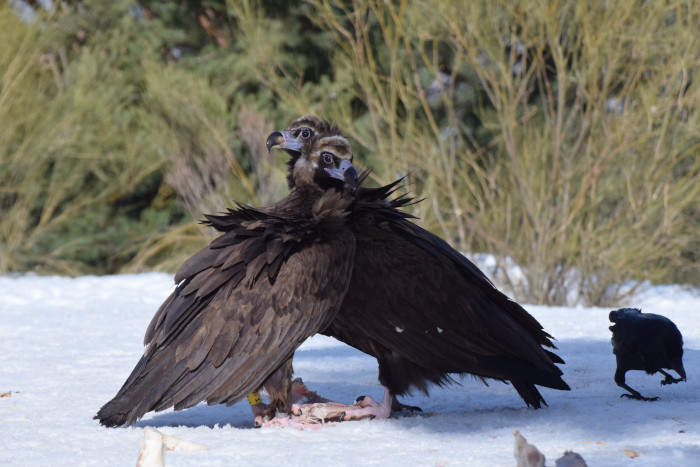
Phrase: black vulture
[242,305]
[420,307]
[646,342]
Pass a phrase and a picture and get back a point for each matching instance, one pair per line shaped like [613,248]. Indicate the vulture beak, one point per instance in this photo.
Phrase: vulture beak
[282,140]
[345,172]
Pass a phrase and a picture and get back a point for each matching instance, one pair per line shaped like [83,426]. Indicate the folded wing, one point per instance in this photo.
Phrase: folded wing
[241,307]
[426,311]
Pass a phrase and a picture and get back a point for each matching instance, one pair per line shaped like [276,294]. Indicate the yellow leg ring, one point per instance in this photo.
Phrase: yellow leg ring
[254,398]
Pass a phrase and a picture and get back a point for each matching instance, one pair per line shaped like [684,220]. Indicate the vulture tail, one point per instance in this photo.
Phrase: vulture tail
[109,417]
[524,376]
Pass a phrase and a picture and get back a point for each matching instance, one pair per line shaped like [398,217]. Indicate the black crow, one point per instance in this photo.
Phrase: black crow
[646,342]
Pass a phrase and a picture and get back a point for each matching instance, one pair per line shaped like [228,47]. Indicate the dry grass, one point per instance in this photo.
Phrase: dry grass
[253,130]
[586,170]
[58,168]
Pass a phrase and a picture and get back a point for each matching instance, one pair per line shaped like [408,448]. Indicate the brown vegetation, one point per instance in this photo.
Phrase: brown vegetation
[563,137]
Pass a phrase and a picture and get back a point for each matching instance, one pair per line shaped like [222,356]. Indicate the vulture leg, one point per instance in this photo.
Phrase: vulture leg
[397,406]
[669,379]
[279,387]
[370,408]
[262,412]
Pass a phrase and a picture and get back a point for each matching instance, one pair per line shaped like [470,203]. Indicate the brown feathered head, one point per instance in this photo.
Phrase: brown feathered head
[323,161]
[298,133]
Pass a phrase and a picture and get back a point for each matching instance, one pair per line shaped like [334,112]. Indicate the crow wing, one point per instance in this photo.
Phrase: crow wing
[425,311]
[242,307]
[647,341]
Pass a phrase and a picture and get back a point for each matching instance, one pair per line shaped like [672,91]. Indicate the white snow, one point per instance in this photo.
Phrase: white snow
[67,346]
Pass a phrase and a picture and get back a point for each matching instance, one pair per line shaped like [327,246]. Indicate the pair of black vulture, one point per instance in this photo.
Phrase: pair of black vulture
[340,259]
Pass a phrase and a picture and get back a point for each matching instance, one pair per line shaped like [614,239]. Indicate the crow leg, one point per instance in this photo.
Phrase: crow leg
[669,379]
[620,381]
[635,395]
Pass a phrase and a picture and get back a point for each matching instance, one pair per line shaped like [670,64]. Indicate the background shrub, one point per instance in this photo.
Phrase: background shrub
[563,138]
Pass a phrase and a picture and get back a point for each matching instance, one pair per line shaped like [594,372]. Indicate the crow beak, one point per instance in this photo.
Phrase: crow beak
[345,172]
[282,140]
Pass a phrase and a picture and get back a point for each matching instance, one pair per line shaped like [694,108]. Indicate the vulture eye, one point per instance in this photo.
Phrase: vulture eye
[327,158]
[305,133]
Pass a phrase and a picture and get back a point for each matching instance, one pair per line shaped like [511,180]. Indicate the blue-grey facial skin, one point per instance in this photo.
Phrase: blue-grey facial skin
[283,140]
[343,172]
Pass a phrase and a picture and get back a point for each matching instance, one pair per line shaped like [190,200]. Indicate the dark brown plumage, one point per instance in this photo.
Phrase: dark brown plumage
[275,276]
[421,308]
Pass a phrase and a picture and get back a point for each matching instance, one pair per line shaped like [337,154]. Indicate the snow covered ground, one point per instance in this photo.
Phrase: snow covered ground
[67,345]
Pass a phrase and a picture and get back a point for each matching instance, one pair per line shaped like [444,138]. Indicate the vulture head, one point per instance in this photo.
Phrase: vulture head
[297,134]
[323,161]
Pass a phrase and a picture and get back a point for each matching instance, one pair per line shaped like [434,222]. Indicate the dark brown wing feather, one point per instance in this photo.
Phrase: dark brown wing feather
[242,306]
[425,311]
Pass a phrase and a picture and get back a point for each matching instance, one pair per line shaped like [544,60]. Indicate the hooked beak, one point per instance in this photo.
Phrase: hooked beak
[345,172]
[282,140]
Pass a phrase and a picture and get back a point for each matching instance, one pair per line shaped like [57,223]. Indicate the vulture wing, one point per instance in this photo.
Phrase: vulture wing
[425,311]
[241,308]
